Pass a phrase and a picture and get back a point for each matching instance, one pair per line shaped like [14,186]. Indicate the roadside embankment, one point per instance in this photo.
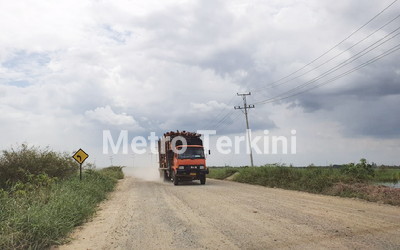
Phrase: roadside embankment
[355,180]
[42,198]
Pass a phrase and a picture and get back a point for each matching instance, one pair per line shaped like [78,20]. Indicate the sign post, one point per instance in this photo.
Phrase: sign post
[80,156]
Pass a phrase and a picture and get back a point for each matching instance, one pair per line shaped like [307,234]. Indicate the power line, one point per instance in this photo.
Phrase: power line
[273,84]
[386,53]
[224,118]
[332,58]
[335,46]
[340,65]
[231,121]
[218,115]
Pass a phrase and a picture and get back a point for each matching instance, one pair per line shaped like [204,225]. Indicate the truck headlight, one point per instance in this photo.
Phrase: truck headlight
[181,167]
[201,167]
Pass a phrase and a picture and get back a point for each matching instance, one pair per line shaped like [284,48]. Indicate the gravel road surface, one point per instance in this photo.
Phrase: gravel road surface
[228,215]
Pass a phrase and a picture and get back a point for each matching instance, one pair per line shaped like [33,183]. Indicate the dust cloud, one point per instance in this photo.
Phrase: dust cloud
[144,173]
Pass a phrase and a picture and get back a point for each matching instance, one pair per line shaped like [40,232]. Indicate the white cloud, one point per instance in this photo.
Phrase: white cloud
[107,116]
[211,106]
[69,69]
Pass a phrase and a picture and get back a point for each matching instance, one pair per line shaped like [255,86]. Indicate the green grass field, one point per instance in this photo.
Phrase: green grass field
[353,180]
[43,217]
[387,175]
[39,206]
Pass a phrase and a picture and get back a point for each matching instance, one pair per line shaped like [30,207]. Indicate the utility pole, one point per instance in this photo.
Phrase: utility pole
[111,160]
[245,107]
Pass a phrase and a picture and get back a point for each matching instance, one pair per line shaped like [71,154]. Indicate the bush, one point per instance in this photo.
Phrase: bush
[22,164]
[360,172]
[114,172]
[311,179]
[350,180]
[386,174]
[44,216]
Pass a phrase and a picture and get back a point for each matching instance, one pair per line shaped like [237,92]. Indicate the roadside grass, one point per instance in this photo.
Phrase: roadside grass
[387,174]
[40,218]
[313,179]
[351,180]
[113,172]
[221,173]
[40,209]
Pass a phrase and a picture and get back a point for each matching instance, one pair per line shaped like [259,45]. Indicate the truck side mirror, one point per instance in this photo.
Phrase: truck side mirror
[209,152]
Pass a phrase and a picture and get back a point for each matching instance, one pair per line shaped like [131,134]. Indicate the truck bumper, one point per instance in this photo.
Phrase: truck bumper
[193,174]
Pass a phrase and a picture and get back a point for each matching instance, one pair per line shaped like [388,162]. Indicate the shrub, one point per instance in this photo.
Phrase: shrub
[359,172]
[23,163]
[311,179]
[386,174]
[113,172]
[44,216]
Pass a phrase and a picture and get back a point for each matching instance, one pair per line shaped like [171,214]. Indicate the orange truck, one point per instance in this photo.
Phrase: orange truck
[181,157]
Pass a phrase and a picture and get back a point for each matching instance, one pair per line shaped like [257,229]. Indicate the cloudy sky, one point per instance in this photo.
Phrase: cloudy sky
[329,70]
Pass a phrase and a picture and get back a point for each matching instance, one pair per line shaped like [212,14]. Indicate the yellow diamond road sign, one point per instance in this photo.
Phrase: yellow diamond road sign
[80,156]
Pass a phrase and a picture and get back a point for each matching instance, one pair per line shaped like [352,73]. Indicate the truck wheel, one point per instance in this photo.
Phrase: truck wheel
[166,178]
[203,180]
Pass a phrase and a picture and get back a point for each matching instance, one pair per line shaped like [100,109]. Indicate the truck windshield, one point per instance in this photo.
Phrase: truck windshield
[192,153]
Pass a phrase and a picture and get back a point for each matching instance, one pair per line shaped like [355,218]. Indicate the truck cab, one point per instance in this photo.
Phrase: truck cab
[190,164]
[181,157]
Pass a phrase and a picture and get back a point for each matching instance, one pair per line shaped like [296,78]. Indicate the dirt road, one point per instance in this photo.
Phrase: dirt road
[229,215]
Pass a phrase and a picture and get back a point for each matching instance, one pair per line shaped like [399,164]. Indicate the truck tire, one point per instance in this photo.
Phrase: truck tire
[202,179]
[166,178]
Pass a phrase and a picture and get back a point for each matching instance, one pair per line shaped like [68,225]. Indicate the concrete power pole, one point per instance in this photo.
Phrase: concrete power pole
[111,160]
[245,107]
